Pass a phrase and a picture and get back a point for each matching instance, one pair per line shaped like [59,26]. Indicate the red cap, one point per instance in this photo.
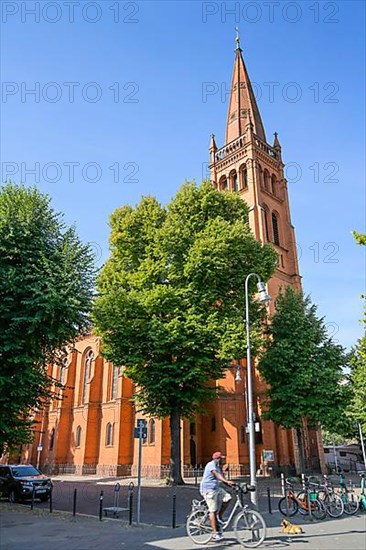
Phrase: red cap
[217,455]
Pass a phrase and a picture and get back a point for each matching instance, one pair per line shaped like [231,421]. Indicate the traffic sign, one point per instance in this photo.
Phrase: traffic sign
[136,433]
[141,421]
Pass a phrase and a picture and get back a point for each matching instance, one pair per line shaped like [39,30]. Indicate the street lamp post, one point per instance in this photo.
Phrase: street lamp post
[263,298]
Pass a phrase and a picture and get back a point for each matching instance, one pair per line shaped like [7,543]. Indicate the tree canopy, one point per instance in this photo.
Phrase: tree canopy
[171,297]
[46,288]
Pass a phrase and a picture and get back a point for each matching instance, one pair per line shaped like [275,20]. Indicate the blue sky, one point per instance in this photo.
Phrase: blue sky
[128,93]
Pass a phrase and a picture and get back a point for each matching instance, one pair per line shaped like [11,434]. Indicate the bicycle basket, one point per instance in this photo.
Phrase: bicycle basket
[313,496]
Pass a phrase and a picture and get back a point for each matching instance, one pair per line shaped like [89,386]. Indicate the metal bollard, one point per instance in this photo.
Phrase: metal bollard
[195,475]
[101,506]
[33,495]
[130,501]
[283,484]
[269,500]
[174,515]
[74,502]
[309,507]
[51,500]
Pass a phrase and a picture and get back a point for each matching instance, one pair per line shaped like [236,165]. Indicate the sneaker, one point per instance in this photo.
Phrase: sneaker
[217,536]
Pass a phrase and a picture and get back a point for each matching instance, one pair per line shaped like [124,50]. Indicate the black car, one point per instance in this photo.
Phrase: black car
[17,483]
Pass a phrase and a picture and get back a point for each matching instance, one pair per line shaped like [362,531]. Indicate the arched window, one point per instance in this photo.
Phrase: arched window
[114,384]
[109,435]
[243,176]
[260,175]
[274,186]
[234,182]
[266,180]
[87,369]
[213,424]
[151,431]
[266,223]
[52,439]
[276,235]
[242,435]
[78,437]
[223,183]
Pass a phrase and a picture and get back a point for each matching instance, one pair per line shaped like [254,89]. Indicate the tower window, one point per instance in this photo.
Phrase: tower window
[235,182]
[223,183]
[266,226]
[274,186]
[242,435]
[276,237]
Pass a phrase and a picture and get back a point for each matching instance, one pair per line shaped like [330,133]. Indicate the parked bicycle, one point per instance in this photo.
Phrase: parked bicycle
[349,497]
[332,502]
[362,505]
[291,503]
[249,526]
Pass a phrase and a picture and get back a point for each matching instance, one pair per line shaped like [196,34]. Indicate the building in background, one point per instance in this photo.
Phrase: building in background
[89,428]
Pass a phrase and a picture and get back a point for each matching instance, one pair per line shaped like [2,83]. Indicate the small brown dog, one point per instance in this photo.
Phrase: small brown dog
[290,529]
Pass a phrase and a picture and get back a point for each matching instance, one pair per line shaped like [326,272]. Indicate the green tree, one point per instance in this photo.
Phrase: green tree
[46,288]
[357,411]
[171,298]
[303,368]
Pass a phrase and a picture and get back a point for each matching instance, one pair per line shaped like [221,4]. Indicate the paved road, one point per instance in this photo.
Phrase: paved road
[38,530]
[156,501]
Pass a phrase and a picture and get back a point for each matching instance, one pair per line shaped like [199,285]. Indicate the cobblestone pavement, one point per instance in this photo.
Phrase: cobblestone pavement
[39,530]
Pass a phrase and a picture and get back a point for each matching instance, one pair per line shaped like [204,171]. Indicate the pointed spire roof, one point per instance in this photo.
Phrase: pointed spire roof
[242,103]
[276,142]
[213,145]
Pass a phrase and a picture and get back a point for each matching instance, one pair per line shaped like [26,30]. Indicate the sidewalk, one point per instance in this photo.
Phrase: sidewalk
[38,530]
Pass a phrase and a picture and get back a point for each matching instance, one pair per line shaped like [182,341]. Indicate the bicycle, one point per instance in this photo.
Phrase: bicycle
[332,502]
[362,505]
[349,497]
[290,504]
[249,526]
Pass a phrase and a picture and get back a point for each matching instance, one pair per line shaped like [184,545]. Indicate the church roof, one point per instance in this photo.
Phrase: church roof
[243,107]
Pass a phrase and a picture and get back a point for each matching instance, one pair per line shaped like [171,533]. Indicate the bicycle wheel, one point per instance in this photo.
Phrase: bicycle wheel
[304,508]
[333,505]
[198,527]
[249,528]
[350,503]
[318,510]
[288,506]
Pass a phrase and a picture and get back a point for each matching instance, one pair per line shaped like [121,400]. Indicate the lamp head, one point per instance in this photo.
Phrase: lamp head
[264,297]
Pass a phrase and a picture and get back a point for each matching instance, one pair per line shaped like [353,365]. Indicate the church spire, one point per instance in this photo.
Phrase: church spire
[242,103]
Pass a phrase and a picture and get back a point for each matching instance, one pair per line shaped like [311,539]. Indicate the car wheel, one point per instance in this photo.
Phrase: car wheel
[12,496]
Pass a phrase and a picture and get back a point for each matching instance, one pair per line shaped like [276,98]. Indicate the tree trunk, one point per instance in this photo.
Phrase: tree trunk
[301,450]
[175,451]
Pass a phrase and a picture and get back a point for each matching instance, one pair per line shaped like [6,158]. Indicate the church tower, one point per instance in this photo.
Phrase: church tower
[249,165]
[254,168]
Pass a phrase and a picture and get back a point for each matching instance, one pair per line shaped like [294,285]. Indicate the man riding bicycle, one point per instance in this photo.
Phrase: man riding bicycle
[216,497]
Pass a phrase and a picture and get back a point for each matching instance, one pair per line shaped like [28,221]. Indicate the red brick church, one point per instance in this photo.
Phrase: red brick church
[89,429]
